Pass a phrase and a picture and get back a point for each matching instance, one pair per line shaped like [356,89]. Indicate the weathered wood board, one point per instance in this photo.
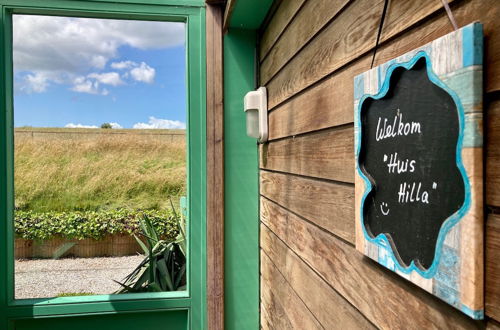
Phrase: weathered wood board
[492,257]
[419,174]
[388,302]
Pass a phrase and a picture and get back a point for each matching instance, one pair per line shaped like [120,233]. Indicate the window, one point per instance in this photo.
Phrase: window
[99,117]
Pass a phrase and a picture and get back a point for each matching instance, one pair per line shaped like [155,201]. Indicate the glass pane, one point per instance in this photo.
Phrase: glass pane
[100,156]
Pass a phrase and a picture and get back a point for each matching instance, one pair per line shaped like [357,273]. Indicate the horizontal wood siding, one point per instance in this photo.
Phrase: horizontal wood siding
[384,298]
[492,325]
[302,195]
[310,52]
[282,294]
[493,266]
[465,12]
[314,155]
[326,304]
[312,17]
[284,15]
[493,153]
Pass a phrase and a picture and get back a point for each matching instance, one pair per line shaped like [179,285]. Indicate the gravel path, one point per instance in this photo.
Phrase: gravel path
[44,278]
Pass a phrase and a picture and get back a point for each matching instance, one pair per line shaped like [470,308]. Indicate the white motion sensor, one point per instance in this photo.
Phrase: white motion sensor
[255,106]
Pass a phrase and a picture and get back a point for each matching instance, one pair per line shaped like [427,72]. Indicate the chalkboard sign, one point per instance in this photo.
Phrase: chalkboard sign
[408,150]
[418,183]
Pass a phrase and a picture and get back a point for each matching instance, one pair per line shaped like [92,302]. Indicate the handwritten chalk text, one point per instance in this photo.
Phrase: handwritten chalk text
[400,166]
[398,128]
[408,194]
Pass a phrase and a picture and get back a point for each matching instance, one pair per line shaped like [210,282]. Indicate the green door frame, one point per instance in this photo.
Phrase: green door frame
[192,301]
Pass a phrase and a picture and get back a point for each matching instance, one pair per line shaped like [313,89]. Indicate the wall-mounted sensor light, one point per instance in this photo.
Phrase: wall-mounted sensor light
[255,106]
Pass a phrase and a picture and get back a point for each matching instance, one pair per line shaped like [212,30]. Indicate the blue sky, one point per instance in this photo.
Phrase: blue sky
[84,72]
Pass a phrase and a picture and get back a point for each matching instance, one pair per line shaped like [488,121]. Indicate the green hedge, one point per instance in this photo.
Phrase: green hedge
[92,224]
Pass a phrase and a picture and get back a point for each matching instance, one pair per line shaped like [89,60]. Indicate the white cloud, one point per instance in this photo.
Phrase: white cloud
[143,73]
[108,78]
[37,83]
[83,42]
[91,83]
[84,85]
[156,123]
[62,48]
[71,125]
[123,65]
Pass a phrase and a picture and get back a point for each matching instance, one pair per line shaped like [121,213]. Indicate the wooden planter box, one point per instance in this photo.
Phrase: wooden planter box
[111,245]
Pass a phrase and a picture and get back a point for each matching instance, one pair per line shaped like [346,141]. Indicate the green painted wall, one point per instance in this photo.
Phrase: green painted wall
[249,14]
[241,186]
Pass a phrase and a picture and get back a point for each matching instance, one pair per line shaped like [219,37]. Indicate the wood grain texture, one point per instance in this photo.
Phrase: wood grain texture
[329,308]
[324,105]
[359,187]
[283,15]
[303,101]
[276,316]
[328,103]
[492,269]
[403,14]
[493,154]
[215,169]
[329,205]
[298,314]
[492,325]
[349,36]
[465,12]
[326,154]
[385,299]
[313,16]
[472,234]
[265,318]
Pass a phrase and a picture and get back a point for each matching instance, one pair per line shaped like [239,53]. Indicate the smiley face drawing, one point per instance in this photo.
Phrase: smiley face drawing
[386,206]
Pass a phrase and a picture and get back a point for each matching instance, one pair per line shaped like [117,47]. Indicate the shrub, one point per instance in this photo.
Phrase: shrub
[106,125]
[91,224]
[164,265]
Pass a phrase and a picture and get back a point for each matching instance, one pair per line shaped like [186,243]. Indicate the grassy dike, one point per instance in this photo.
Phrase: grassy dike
[98,169]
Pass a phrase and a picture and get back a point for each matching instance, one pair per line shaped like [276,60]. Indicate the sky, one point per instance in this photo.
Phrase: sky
[81,72]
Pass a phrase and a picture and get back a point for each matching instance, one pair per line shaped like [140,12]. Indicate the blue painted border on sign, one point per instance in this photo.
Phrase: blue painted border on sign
[472,35]
[382,240]
[475,314]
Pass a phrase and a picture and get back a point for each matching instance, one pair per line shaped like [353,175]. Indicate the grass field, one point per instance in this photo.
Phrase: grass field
[98,169]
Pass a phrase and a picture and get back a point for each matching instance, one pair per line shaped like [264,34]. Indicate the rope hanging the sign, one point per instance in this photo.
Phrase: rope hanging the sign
[450,14]
[382,18]
[384,11]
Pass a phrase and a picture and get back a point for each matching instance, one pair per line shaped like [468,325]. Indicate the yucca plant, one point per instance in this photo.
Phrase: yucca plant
[164,267]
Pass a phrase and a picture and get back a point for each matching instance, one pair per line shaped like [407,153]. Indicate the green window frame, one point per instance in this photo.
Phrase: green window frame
[193,300]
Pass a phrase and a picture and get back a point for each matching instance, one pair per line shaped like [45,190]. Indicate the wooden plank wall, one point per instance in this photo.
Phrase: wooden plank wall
[311,275]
